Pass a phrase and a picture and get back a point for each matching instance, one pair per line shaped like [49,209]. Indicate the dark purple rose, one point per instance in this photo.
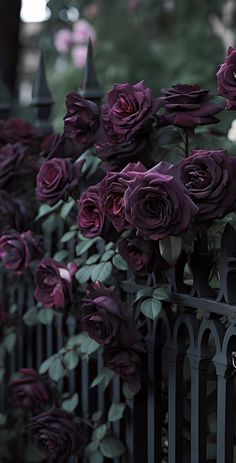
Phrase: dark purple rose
[129,111]
[116,156]
[16,130]
[226,79]
[29,391]
[12,213]
[90,219]
[127,364]
[142,256]
[112,190]
[188,106]
[17,250]
[57,179]
[157,204]
[12,162]
[209,177]
[81,121]
[60,435]
[106,319]
[54,285]
[59,146]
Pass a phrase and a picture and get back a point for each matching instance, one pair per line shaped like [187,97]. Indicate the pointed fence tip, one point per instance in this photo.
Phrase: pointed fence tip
[41,95]
[90,87]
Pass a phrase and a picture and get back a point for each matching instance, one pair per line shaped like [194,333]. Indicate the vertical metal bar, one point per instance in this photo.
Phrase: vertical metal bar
[116,398]
[175,407]
[225,399]
[85,387]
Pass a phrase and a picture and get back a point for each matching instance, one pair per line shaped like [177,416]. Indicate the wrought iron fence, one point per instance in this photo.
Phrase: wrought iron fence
[185,410]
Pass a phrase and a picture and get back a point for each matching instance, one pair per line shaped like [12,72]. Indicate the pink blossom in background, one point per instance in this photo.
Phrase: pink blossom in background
[82,31]
[79,55]
[91,10]
[63,40]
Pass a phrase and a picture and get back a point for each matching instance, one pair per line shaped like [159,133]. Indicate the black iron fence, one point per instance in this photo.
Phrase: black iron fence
[185,410]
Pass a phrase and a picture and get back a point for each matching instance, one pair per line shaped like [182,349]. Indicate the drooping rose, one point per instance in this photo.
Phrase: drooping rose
[157,204]
[12,162]
[54,285]
[29,391]
[112,190]
[13,214]
[129,111]
[81,121]
[127,364]
[15,130]
[57,179]
[209,177]
[142,256]
[90,219]
[17,250]
[226,79]
[106,319]
[187,106]
[60,435]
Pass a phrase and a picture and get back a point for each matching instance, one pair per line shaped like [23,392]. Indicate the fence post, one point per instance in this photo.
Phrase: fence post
[90,87]
[5,101]
[42,99]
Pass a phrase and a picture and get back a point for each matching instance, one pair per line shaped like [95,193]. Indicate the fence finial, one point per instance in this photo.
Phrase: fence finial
[42,98]
[5,100]
[90,87]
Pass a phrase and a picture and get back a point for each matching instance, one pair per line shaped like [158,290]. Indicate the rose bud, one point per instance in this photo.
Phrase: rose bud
[17,250]
[29,391]
[81,121]
[54,285]
[157,204]
[60,435]
[106,319]
[57,179]
[209,177]
[129,111]
[90,219]
[226,79]
[127,364]
[187,106]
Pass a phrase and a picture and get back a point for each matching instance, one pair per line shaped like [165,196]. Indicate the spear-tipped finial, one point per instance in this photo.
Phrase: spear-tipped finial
[42,98]
[90,87]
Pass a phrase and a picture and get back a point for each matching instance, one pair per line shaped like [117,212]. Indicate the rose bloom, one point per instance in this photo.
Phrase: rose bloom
[112,190]
[29,391]
[60,435]
[90,219]
[54,285]
[187,106]
[129,111]
[142,256]
[209,177]
[81,121]
[226,79]
[127,364]
[106,319]
[12,160]
[57,179]
[13,213]
[15,130]
[157,204]
[17,250]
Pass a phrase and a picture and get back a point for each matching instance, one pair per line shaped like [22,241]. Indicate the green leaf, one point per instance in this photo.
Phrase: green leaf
[71,360]
[91,447]
[84,245]
[66,208]
[116,411]
[3,419]
[101,271]
[127,391]
[45,316]
[107,255]
[170,249]
[46,365]
[96,457]
[162,294]
[119,262]
[112,447]
[68,236]
[144,292]
[151,307]
[93,259]
[9,341]
[30,318]
[56,370]
[70,405]
[50,224]
[61,255]
[96,416]
[32,454]
[46,209]
[84,273]
[105,376]
[100,432]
